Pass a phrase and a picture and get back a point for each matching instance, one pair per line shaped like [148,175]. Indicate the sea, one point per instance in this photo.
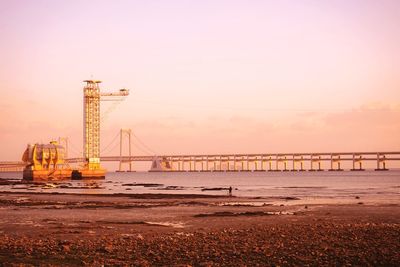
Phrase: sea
[307,187]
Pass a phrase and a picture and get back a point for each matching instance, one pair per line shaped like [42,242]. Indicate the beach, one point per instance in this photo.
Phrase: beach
[194,230]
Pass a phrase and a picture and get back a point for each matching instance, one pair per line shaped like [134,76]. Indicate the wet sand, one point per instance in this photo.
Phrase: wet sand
[194,230]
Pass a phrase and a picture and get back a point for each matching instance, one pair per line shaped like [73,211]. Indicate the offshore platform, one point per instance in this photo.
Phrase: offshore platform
[47,161]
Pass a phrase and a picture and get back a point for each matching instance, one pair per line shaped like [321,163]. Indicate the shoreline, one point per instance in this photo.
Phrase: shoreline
[131,195]
[283,200]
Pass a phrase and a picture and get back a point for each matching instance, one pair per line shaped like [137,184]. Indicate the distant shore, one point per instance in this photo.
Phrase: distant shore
[196,230]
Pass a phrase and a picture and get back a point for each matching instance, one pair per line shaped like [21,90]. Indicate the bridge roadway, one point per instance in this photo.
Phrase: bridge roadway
[262,162]
[247,162]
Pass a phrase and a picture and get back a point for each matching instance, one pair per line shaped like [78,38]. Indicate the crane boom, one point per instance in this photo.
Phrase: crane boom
[121,92]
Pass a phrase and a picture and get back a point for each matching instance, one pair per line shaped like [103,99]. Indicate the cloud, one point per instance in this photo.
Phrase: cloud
[369,127]
[369,117]
[372,126]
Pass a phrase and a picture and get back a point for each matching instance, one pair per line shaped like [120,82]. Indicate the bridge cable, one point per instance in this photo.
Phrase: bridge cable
[113,148]
[144,151]
[109,144]
[134,144]
[143,144]
[141,148]
[72,148]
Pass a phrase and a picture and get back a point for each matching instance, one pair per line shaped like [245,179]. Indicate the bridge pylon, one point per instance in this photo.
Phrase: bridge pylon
[123,135]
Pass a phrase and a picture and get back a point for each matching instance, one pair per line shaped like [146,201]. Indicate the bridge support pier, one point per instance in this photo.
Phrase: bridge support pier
[357,159]
[381,160]
[335,159]
[270,164]
[316,159]
[285,163]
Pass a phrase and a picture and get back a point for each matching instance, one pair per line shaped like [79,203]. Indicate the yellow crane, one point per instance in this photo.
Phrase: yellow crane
[91,127]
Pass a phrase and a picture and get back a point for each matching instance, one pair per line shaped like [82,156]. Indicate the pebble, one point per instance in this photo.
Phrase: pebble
[318,243]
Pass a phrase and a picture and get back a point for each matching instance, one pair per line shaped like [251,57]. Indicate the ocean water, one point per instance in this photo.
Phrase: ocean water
[366,185]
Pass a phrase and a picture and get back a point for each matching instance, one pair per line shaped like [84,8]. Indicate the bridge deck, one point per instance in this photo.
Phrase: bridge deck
[278,160]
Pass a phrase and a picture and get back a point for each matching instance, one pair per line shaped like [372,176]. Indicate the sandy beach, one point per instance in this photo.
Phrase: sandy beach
[193,230]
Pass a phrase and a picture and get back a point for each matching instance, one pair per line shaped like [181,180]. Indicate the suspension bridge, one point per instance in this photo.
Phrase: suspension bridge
[262,162]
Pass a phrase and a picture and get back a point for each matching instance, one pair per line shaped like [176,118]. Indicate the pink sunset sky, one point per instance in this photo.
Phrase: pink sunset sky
[205,76]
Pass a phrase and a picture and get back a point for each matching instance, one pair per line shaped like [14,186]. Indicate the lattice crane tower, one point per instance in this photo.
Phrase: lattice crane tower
[91,125]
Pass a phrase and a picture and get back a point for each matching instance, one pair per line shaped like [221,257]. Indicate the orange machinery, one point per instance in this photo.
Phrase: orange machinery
[45,162]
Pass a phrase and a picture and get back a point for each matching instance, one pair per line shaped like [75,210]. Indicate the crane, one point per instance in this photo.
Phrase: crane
[91,127]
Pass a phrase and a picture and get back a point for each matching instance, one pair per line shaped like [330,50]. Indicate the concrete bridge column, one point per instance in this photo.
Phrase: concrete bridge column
[380,160]
[183,164]
[378,165]
[311,163]
[357,159]
[293,163]
[270,163]
[335,159]
[316,159]
[285,162]
[319,163]
[301,163]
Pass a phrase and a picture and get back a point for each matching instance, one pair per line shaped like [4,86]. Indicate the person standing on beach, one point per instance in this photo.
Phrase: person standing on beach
[230,191]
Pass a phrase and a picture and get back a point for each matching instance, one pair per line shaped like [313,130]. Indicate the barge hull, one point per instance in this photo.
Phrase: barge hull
[37,175]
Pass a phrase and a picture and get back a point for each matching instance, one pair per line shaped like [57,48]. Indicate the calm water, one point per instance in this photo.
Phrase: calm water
[383,186]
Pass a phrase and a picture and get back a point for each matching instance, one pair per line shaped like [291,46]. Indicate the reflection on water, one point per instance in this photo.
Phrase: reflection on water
[257,184]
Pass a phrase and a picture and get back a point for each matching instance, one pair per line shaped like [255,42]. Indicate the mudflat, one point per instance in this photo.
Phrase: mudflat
[193,230]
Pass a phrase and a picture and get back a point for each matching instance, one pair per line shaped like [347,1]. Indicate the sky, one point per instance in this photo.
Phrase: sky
[220,76]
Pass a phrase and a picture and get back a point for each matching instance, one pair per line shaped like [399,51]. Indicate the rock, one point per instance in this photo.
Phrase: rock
[108,248]
[66,248]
